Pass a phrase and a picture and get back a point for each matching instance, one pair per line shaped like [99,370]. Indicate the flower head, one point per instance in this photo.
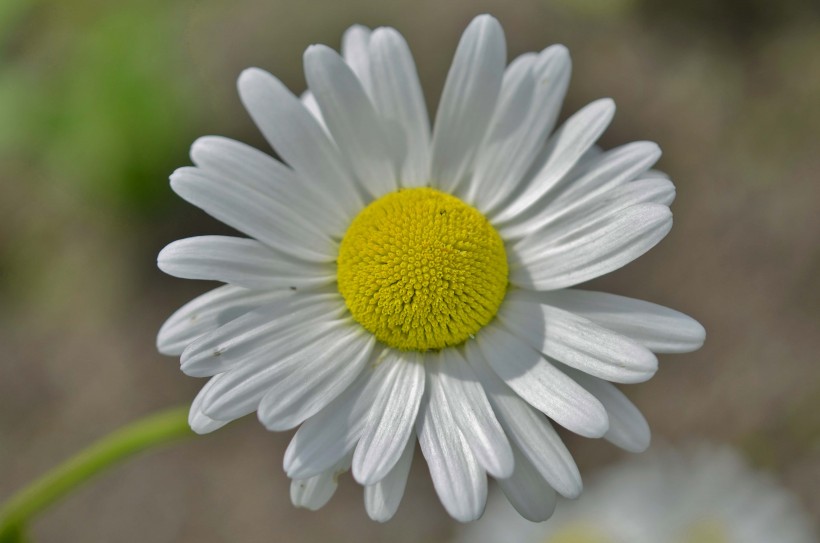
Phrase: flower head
[402,283]
[701,493]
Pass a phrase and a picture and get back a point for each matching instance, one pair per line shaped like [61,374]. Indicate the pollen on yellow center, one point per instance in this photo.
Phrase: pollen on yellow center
[422,270]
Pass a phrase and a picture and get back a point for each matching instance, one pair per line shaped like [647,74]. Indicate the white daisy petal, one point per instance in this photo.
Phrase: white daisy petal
[655,190]
[351,119]
[566,146]
[309,101]
[242,388]
[300,140]
[316,381]
[275,223]
[506,126]
[398,98]
[468,101]
[382,499]
[605,172]
[628,428]
[207,313]
[272,325]
[528,430]
[607,248]
[472,412]
[392,416]
[541,384]
[597,213]
[576,341]
[526,112]
[197,420]
[355,42]
[528,492]
[577,221]
[241,262]
[660,190]
[459,481]
[313,493]
[234,163]
[326,437]
[659,328]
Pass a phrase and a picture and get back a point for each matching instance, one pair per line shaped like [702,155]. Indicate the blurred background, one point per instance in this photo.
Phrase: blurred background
[99,102]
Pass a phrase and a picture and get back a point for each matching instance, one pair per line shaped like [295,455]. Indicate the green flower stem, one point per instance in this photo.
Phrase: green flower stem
[123,443]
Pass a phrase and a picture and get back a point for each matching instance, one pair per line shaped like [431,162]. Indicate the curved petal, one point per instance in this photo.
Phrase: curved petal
[607,248]
[528,492]
[329,435]
[597,213]
[658,328]
[255,213]
[260,332]
[382,499]
[472,412]
[398,98]
[301,141]
[605,172]
[236,162]
[242,262]
[393,413]
[628,428]
[355,51]
[511,115]
[520,126]
[567,145]
[351,119]
[309,101]
[576,341]
[208,312]
[315,380]
[541,384]
[467,102]
[313,493]
[240,390]
[199,421]
[528,430]
[459,481]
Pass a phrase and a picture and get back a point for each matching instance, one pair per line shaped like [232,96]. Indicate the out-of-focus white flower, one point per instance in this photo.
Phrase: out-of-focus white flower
[698,494]
[401,282]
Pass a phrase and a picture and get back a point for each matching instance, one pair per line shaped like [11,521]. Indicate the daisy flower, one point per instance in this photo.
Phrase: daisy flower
[401,282]
[701,493]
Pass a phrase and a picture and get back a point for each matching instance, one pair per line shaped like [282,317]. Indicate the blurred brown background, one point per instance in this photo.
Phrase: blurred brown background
[99,102]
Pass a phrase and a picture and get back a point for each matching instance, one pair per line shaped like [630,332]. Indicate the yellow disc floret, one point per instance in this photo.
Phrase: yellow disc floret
[422,270]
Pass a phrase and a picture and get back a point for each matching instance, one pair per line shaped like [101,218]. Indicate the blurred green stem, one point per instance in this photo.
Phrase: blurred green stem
[151,431]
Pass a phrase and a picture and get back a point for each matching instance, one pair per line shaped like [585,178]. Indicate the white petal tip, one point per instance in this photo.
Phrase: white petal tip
[698,335]
[635,447]
[502,471]
[574,493]
[202,424]
[357,28]
[485,19]
[318,49]
[503,464]
[379,516]
[595,427]
[557,50]
[385,33]
[163,257]
[606,105]
[249,77]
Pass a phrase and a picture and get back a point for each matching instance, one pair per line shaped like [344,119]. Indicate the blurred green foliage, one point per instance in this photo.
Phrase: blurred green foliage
[96,96]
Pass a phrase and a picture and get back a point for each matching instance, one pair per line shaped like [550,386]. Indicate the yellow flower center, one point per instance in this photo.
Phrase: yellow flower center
[422,270]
